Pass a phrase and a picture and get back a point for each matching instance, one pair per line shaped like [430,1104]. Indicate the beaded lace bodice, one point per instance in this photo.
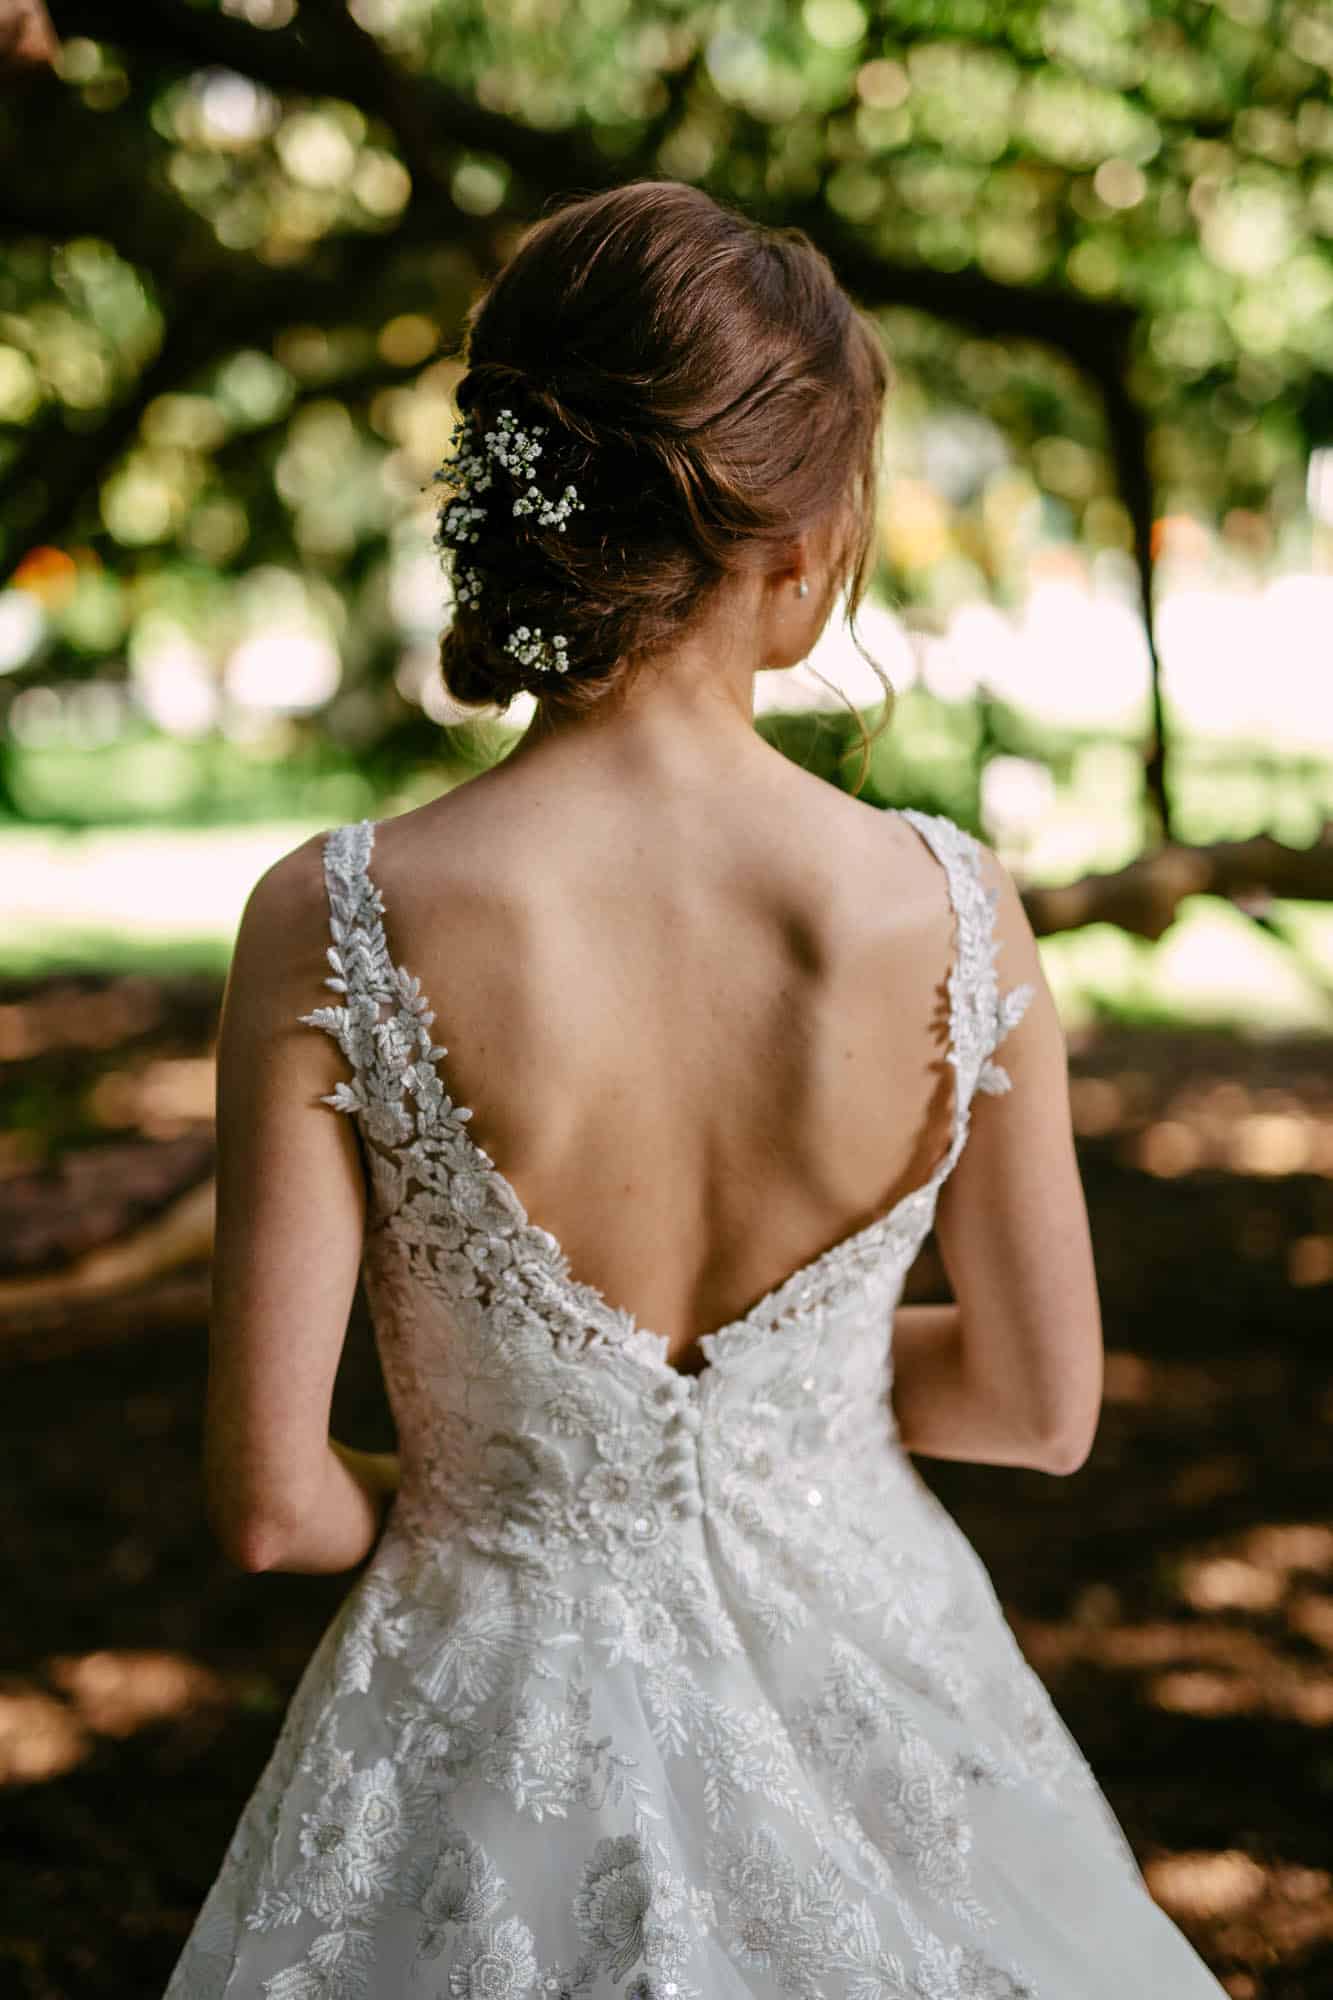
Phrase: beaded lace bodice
[399,1096]
[449,1237]
[666,1686]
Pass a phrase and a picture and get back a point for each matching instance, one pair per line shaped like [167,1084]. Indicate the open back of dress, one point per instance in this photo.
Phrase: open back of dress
[662,1686]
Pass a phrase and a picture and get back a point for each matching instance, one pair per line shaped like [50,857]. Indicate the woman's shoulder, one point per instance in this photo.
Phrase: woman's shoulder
[279,962]
[490,843]
[284,900]
[901,844]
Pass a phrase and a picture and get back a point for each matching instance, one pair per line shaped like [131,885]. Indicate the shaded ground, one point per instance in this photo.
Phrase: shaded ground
[1176,1594]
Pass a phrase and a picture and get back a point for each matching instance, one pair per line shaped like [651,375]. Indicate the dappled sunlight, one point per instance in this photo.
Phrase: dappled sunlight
[1098,1104]
[1172,1387]
[248,239]
[1213,965]
[1310,1260]
[49,1724]
[1252,1911]
[1255,1624]
[1311,1614]
[1156,1642]
[1206,1885]
[1211,638]
[1292,1545]
[161,883]
[1281,1142]
[115,1693]
[1072,609]
[1219,1123]
[40,1736]
[163,1098]
[1081,607]
[1167,1147]
[59,1016]
[1229,1583]
[1193,1667]
[1281,1691]
[1197,1691]
[1255,1143]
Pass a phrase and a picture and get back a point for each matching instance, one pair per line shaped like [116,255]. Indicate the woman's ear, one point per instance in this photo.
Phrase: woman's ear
[789,561]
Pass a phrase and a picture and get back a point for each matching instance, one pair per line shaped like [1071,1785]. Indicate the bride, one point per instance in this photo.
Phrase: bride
[646,1062]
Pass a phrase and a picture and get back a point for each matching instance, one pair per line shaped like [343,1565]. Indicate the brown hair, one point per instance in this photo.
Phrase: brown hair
[710,390]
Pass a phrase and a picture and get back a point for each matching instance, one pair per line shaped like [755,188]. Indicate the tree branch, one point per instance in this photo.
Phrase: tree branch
[1127,433]
[341,60]
[324,51]
[41,504]
[344,61]
[1099,339]
[53,184]
[1144,897]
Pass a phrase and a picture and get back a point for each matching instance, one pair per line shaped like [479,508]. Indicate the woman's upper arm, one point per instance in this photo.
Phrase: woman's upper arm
[290,1214]
[1012,1223]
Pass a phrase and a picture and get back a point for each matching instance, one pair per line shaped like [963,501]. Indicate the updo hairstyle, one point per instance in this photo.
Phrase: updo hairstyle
[708,388]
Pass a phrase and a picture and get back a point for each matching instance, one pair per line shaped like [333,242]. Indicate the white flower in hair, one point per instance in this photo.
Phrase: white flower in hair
[469,471]
[527,645]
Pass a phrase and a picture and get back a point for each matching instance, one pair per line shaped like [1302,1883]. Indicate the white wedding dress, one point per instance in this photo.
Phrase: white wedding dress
[661,1686]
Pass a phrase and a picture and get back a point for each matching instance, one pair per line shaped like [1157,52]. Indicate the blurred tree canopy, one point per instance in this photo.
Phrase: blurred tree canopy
[237,238]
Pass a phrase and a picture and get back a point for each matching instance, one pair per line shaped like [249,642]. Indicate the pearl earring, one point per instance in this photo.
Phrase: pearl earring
[802,588]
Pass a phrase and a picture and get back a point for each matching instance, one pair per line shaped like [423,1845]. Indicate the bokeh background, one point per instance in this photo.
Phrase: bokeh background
[237,238]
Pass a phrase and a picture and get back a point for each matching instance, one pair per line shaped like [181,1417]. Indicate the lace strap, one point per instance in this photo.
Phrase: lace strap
[359,953]
[979,1016]
[390,1054]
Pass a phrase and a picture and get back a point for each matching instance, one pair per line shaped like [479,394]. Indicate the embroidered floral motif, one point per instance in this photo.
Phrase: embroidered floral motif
[464,1889]
[651,1681]
[613,1901]
[800,1930]
[468,1641]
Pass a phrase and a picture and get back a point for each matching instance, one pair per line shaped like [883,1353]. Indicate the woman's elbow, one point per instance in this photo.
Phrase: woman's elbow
[1066,1447]
[253,1545]
[1064,1410]
[252,1538]
[256,1528]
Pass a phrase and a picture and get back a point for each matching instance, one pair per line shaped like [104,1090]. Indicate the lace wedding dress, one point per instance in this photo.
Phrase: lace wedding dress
[658,1686]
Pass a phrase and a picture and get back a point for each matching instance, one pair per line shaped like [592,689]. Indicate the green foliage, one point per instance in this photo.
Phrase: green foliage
[238,248]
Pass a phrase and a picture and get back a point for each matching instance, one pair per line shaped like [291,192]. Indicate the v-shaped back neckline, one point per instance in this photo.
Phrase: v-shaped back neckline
[798,1285]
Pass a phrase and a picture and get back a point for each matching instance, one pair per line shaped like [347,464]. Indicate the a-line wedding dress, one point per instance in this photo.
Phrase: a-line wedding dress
[658,1686]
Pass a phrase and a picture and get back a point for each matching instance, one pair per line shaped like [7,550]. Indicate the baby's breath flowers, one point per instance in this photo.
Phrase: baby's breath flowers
[470,472]
[530,649]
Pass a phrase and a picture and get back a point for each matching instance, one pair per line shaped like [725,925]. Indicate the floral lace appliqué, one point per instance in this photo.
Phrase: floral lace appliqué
[654,1687]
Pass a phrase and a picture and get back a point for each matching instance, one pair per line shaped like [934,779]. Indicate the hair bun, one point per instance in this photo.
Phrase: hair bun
[709,390]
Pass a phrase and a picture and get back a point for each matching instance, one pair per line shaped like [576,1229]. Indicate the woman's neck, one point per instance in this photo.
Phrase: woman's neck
[688,711]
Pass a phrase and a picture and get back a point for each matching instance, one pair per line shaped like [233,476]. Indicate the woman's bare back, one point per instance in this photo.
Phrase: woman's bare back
[701,1027]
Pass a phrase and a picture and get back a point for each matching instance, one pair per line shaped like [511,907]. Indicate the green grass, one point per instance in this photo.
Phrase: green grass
[42,953]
